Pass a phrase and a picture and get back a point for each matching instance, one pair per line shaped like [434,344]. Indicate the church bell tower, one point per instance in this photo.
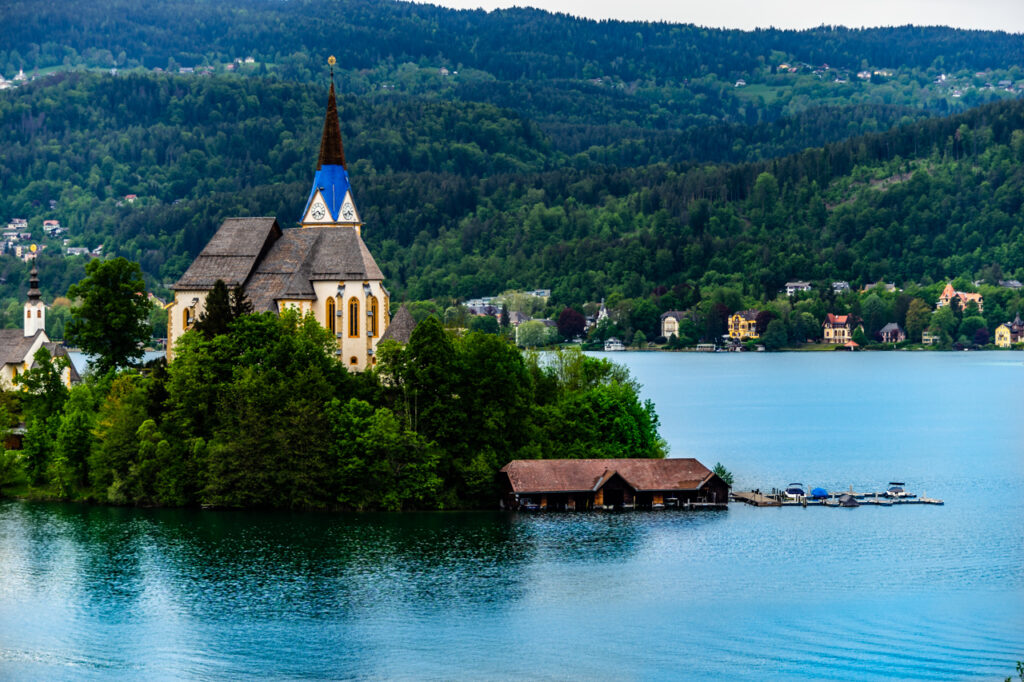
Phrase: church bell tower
[330,202]
[35,309]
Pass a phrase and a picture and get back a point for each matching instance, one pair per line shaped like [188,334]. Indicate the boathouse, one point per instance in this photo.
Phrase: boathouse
[581,484]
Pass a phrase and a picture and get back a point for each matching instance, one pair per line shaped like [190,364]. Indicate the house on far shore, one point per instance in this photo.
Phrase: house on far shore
[949,294]
[743,325]
[583,484]
[794,287]
[613,343]
[930,339]
[670,321]
[892,333]
[838,329]
[1009,333]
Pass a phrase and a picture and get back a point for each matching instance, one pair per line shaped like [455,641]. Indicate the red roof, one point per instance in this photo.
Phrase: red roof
[837,319]
[585,475]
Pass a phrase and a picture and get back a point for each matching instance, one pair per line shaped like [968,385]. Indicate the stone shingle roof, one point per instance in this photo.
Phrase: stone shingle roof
[14,345]
[275,264]
[231,254]
[401,326]
[305,255]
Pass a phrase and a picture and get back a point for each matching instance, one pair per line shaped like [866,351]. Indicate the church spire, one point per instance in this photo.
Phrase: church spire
[330,202]
[332,152]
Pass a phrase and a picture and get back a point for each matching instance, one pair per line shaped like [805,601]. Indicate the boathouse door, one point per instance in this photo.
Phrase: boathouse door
[616,491]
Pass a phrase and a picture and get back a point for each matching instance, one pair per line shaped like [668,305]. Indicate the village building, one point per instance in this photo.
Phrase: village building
[743,325]
[613,344]
[838,329]
[19,346]
[321,268]
[949,295]
[583,484]
[930,338]
[1009,333]
[796,287]
[892,333]
[890,287]
[670,321]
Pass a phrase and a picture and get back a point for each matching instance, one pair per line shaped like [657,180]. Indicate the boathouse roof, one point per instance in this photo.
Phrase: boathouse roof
[584,475]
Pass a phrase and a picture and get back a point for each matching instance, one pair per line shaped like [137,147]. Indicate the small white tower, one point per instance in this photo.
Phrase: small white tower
[35,310]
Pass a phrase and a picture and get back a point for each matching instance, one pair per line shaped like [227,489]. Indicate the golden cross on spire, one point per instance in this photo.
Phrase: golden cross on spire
[332,61]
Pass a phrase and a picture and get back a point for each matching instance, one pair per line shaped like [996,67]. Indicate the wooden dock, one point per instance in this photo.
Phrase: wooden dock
[755,498]
[759,499]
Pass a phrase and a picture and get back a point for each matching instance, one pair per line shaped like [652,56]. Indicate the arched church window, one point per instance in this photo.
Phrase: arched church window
[187,318]
[28,314]
[353,317]
[353,360]
[39,313]
[371,304]
[331,317]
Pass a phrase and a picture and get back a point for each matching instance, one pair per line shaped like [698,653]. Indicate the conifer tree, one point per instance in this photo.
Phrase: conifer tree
[219,313]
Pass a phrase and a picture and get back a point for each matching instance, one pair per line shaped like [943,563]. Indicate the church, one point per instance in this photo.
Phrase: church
[321,267]
[18,346]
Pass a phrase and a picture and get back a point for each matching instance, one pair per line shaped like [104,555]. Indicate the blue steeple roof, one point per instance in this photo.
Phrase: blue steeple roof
[331,178]
[332,182]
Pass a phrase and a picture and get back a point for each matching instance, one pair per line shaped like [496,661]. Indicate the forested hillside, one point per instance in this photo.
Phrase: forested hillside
[593,158]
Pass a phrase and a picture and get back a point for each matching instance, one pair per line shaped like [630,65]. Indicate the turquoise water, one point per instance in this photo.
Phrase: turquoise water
[869,593]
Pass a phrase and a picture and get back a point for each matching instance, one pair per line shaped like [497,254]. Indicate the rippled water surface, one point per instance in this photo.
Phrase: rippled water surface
[887,593]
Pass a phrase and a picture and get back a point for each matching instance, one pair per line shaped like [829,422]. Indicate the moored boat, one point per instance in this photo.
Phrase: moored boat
[795,491]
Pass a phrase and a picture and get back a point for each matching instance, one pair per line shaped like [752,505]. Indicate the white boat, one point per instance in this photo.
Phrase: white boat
[795,491]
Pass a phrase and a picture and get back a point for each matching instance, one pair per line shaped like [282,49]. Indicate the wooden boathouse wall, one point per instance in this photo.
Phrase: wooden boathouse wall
[579,485]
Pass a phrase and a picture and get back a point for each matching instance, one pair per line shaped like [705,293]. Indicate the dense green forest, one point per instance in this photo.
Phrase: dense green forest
[263,415]
[598,159]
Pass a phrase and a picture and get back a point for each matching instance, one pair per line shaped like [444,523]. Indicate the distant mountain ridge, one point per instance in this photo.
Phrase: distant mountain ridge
[511,43]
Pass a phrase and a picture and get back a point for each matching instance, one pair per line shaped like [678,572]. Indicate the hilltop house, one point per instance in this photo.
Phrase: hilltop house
[838,329]
[949,295]
[322,267]
[1009,333]
[582,484]
[794,287]
[743,325]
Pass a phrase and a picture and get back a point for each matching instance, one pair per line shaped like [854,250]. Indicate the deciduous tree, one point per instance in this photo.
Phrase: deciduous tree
[110,318]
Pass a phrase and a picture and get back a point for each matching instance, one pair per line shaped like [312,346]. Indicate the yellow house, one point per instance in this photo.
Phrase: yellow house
[1003,335]
[1009,333]
[743,325]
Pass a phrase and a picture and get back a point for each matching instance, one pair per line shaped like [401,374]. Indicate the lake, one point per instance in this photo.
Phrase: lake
[912,592]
